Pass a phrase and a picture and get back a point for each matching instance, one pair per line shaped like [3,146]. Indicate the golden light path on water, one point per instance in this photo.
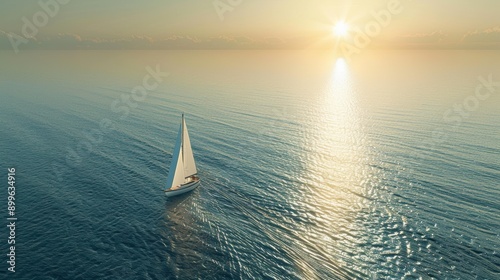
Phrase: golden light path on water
[337,175]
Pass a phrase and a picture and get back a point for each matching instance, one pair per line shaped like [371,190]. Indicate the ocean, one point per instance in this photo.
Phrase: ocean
[386,166]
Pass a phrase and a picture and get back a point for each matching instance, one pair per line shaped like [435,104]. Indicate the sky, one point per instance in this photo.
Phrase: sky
[248,23]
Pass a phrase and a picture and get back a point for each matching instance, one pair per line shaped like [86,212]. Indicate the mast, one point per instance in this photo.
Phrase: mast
[182,138]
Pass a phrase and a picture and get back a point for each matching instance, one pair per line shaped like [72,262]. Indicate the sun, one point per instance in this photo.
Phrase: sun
[340,29]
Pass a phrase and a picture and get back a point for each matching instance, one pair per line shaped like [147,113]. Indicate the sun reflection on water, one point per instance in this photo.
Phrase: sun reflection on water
[340,142]
[337,171]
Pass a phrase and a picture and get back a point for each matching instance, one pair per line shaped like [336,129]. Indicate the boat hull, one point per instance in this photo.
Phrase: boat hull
[184,189]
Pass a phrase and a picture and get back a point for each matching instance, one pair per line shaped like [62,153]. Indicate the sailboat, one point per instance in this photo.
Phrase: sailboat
[182,176]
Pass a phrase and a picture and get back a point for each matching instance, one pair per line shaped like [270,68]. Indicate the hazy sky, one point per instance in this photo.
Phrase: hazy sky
[428,22]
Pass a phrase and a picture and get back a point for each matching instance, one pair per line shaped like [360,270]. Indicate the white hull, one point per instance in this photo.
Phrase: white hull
[183,189]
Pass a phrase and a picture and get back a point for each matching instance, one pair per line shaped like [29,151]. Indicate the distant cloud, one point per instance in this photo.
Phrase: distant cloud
[421,38]
[491,35]
[432,40]
[73,41]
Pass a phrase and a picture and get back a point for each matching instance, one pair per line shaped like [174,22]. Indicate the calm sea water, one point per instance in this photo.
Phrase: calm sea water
[312,167]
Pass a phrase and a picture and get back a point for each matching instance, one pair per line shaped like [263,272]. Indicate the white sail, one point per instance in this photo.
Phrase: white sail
[188,159]
[176,173]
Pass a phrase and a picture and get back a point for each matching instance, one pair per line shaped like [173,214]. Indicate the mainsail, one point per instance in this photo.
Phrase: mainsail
[183,164]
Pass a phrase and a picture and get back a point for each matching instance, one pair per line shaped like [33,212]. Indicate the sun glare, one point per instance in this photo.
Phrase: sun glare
[340,29]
